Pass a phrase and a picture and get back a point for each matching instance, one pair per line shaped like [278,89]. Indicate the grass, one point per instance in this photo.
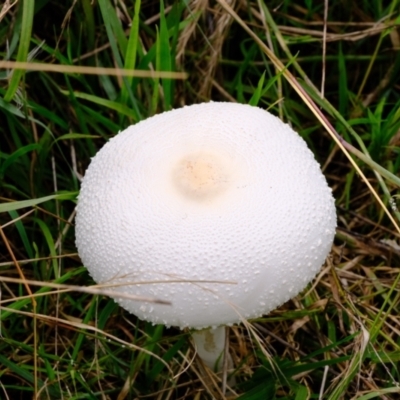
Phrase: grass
[339,339]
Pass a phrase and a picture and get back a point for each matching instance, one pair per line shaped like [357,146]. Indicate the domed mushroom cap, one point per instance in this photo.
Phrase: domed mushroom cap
[211,192]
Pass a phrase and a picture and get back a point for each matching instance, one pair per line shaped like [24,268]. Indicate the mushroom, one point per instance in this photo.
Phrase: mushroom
[219,208]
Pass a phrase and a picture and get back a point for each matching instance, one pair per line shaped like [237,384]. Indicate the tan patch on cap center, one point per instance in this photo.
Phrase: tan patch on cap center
[201,176]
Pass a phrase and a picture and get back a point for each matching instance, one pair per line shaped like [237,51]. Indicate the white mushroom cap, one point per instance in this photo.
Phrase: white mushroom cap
[211,192]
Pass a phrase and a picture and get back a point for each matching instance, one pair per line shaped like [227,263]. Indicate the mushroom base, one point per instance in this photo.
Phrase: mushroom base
[210,345]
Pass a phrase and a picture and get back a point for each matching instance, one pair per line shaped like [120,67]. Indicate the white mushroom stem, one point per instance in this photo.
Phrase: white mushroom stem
[210,345]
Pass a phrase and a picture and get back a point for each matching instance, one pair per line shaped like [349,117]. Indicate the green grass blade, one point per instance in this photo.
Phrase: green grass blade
[302,393]
[22,372]
[343,89]
[50,244]
[11,108]
[28,8]
[89,315]
[132,48]
[72,136]
[379,393]
[22,233]
[89,25]
[16,205]
[167,356]
[12,158]
[164,57]
[156,81]
[258,92]
[114,29]
[112,105]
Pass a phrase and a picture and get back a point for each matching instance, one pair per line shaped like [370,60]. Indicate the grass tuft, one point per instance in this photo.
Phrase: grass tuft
[74,73]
